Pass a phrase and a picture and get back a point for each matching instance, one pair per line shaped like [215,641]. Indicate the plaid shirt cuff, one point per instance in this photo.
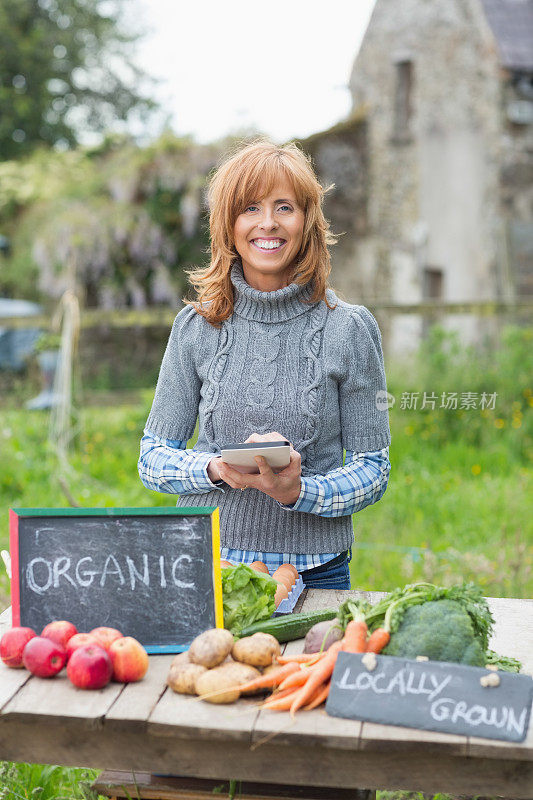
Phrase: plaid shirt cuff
[359,483]
[165,465]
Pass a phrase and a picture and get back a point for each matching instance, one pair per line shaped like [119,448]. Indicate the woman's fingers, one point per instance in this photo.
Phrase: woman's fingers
[237,480]
[271,436]
[294,467]
[264,466]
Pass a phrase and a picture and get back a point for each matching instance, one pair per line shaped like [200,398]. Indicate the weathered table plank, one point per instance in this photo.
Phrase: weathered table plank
[513,629]
[270,763]
[184,716]
[5,620]
[11,680]
[47,700]
[137,701]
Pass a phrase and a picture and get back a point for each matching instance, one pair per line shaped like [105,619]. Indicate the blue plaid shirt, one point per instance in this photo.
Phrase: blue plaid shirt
[166,465]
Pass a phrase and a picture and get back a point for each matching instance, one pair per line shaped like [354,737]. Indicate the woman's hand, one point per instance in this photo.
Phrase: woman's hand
[283,486]
[212,469]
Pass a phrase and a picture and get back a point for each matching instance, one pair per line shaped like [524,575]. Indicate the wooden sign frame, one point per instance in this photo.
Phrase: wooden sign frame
[16,514]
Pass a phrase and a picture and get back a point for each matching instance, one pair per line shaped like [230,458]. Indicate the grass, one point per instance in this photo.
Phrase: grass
[448,514]
[19,781]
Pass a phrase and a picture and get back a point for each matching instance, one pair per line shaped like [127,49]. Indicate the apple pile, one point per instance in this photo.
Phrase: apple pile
[92,659]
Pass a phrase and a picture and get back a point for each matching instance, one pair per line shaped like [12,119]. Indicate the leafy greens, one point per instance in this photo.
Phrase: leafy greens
[248,596]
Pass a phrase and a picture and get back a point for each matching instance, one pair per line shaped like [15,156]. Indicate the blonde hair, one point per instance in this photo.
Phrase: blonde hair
[249,173]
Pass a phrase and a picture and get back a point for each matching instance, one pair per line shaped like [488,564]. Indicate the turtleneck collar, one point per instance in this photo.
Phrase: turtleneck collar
[276,306]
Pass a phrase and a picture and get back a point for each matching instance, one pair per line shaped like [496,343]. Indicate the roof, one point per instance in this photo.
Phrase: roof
[511,22]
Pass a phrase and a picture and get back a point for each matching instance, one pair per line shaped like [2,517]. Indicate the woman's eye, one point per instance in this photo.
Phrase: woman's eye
[253,208]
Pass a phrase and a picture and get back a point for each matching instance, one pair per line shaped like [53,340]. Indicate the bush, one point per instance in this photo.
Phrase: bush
[478,396]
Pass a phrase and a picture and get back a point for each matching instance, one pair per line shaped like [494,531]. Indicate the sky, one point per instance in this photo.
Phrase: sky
[229,65]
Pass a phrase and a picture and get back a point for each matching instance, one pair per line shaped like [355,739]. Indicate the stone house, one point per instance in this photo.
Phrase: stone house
[436,161]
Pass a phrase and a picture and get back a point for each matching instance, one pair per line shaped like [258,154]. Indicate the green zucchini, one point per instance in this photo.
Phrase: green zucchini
[289,626]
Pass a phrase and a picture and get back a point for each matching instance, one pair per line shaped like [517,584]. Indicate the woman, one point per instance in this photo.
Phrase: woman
[269,352]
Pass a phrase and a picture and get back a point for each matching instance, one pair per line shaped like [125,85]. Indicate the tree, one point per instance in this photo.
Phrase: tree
[65,67]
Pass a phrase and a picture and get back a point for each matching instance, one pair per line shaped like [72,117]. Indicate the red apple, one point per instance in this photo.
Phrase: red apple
[90,667]
[12,645]
[43,657]
[106,636]
[78,640]
[130,660]
[59,631]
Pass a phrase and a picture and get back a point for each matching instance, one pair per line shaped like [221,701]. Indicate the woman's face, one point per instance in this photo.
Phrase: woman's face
[268,237]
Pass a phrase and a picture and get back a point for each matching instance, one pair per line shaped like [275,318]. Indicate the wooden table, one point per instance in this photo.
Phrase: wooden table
[145,727]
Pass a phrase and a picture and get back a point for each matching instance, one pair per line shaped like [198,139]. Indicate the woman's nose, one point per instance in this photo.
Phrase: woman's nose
[268,221]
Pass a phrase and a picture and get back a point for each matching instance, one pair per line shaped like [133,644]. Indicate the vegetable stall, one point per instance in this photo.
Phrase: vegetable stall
[178,663]
[148,727]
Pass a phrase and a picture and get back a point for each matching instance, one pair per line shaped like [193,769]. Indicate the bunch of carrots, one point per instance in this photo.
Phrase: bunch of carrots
[303,681]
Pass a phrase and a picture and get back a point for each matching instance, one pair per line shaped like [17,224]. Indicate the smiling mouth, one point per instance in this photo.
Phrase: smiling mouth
[268,245]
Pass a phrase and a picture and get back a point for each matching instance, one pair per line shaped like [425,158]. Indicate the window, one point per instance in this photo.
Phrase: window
[432,289]
[432,283]
[403,101]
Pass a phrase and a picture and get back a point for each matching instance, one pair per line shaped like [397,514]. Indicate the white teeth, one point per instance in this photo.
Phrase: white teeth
[267,245]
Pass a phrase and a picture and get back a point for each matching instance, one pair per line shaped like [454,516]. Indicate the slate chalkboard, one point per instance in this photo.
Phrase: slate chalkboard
[431,695]
[152,573]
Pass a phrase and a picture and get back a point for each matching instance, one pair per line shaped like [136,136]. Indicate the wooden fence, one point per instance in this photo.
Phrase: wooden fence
[163,316]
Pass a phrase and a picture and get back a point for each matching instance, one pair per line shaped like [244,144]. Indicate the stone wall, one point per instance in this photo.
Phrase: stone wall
[433,195]
[340,157]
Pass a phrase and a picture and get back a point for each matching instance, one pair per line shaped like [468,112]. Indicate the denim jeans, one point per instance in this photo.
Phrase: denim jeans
[334,574]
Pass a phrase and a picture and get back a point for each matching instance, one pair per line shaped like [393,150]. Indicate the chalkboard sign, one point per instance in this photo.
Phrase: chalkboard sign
[431,695]
[153,573]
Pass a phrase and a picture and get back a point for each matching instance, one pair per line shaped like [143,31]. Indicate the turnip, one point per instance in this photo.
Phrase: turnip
[322,635]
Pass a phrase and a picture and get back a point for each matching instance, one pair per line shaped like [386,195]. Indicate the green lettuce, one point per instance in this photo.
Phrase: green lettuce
[248,596]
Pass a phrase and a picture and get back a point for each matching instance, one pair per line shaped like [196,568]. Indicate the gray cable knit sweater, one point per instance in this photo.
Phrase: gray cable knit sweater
[277,364]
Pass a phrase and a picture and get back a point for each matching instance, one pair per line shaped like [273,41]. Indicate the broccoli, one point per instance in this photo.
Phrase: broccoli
[441,630]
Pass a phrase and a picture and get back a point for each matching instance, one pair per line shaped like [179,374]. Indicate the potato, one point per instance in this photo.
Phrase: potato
[180,658]
[214,681]
[258,650]
[242,673]
[271,668]
[182,677]
[211,647]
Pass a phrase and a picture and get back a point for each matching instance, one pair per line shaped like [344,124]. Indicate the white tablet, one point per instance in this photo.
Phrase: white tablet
[277,455]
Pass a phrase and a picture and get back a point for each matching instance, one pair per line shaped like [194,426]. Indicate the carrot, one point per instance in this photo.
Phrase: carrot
[277,693]
[280,703]
[300,658]
[319,673]
[269,680]
[381,636]
[320,696]
[377,640]
[295,679]
[355,637]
